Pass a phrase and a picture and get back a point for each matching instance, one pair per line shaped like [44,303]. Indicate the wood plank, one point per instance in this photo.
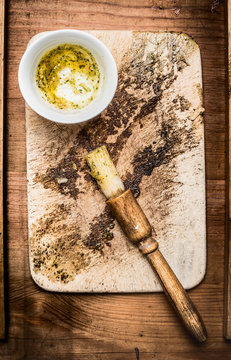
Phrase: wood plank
[2,56]
[227,294]
[112,326]
[227,309]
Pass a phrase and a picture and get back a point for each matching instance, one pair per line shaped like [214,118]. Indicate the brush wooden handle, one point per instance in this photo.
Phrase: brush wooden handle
[178,296]
[136,226]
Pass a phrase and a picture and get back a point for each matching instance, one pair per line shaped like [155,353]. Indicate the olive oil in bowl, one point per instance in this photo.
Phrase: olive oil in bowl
[68,77]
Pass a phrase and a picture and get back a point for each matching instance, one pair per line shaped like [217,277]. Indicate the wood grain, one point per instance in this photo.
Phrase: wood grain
[227,309]
[130,216]
[2,69]
[111,326]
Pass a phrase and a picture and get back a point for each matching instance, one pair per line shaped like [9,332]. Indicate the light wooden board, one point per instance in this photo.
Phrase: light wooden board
[2,55]
[155,134]
[227,312]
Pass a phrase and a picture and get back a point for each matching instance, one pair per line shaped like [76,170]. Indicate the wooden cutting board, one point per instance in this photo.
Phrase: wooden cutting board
[154,132]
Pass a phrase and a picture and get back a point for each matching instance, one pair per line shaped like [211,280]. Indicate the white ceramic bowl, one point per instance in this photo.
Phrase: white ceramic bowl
[29,62]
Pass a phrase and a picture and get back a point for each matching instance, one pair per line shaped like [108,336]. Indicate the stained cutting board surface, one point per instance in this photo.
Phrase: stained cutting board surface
[154,132]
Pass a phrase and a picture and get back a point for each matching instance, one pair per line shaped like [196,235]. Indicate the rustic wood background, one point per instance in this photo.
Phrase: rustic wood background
[44,325]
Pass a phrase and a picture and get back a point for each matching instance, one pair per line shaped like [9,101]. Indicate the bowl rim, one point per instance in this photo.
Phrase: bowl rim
[40,110]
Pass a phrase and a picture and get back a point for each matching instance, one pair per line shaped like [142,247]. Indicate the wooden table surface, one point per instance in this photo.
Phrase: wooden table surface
[44,325]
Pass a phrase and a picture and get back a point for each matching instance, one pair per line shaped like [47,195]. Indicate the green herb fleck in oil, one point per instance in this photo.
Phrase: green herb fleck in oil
[74,70]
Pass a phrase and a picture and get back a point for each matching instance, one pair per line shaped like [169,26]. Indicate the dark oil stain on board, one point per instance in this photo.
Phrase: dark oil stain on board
[127,110]
[62,258]
[100,231]
[63,177]
[147,159]
[171,143]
